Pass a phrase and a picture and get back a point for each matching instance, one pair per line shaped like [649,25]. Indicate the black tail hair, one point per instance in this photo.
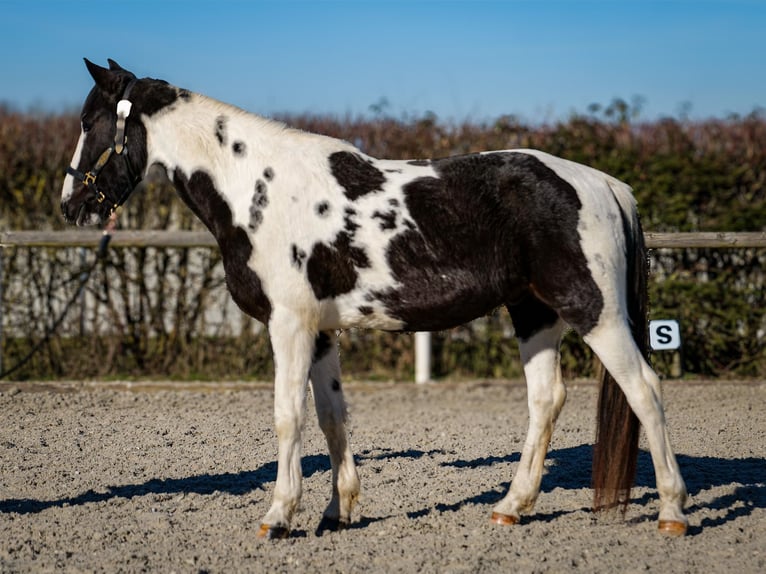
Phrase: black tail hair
[616,449]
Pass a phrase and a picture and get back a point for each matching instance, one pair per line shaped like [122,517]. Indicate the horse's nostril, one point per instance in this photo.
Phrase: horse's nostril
[69,211]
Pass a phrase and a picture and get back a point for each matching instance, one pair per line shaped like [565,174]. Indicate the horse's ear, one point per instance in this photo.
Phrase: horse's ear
[114,66]
[111,81]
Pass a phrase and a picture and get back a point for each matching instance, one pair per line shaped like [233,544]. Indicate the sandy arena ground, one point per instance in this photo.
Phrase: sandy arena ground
[160,478]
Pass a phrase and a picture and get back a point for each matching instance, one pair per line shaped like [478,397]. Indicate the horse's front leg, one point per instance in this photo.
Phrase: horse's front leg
[292,340]
[331,412]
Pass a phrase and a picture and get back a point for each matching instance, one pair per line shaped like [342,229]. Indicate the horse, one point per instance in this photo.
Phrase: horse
[317,236]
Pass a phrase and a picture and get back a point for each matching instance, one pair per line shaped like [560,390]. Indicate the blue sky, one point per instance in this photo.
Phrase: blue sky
[477,60]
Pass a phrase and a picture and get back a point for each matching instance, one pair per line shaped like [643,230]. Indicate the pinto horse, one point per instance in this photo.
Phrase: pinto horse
[317,236]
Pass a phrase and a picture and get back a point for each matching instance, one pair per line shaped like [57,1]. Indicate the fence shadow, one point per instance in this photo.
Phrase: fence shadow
[569,468]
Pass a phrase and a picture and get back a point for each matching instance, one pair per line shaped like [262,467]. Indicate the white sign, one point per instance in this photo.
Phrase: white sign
[664,335]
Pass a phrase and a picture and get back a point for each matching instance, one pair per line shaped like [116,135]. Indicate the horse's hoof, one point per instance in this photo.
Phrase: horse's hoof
[672,527]
[330,525]
[504,519]
[273,532]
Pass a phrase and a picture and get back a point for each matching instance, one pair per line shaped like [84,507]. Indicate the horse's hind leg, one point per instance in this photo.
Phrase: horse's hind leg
[613,342]
[331,412]
[545,396]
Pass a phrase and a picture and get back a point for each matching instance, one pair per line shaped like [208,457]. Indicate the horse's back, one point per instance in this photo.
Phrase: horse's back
[488,228]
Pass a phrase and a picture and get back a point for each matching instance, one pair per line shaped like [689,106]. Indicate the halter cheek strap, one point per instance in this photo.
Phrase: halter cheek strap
[88,178]
[123,111]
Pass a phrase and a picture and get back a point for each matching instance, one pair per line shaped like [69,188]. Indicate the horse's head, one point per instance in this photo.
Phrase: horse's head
[111,154]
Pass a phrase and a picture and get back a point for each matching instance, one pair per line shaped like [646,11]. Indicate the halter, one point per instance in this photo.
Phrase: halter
[88,178]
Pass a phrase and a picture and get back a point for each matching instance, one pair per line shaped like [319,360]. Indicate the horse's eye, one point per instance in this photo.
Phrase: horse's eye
[86,127]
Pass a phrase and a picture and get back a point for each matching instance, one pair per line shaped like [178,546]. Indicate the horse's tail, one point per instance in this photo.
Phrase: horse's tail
[616,450]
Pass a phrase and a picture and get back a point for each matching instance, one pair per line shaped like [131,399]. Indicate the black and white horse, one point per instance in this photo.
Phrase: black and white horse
[317,236]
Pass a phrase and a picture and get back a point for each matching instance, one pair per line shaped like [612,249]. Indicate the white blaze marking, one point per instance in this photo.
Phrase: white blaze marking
[68,188]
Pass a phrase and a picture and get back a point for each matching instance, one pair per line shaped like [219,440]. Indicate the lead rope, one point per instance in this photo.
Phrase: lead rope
[101,252]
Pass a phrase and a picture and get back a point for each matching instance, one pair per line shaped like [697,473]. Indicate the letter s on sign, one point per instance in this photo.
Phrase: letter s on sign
[664,335]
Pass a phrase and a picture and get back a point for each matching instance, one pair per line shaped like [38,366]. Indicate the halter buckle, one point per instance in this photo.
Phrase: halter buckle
[100,197]
[88,178]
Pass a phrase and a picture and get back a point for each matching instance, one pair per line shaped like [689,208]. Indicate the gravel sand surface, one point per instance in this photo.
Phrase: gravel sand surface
[175,478]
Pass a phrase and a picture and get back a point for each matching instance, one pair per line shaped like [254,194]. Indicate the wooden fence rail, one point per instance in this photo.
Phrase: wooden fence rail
[188,239]
[90,238]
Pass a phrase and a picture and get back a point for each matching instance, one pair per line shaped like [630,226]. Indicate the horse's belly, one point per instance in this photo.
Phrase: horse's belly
[433,302]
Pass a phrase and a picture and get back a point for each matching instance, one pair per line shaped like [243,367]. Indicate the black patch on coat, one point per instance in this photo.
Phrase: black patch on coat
[491,229]
[355,175]
[268,174]
[238,148]
[331,269]
[393,202]
[420,162]
[150,96]
[530,316]
[335,385]
[323,208]
[322,345]
[387,219]
[329,273]
[297,256]
[199,193]
[365,310]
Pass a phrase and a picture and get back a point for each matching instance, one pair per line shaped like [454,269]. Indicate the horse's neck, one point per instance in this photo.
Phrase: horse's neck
[209,135]
[218,156]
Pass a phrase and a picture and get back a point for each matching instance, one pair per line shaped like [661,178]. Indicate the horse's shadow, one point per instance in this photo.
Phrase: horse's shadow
[568,468]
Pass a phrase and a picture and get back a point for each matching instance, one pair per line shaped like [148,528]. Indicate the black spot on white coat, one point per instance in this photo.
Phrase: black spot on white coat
[297,256]
[331,269]
[259,201]
[349,221]
[323,208]
[239,148]
[220,129]
[256,218]
[387,219]
[260,197]
[355,175]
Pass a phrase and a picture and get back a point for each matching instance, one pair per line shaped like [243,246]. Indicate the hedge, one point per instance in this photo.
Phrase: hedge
[163,312]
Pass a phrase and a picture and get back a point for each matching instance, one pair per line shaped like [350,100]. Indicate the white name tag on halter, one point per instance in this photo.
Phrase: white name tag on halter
[123,108]
[664,335]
